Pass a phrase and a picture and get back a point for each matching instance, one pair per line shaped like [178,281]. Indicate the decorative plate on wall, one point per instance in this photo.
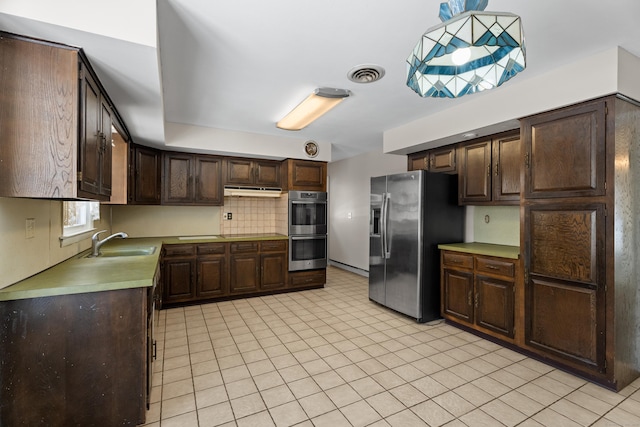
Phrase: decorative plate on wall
[311,148]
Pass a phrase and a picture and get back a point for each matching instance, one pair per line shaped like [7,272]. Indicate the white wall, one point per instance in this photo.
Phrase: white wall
[502,228]
[349,187]
[160,221]
[22,257]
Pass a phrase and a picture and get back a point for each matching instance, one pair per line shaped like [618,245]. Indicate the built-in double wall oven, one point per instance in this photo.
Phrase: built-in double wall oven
[307,230]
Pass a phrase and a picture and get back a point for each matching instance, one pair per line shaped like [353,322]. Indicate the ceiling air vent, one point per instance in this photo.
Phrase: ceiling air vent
[366,73]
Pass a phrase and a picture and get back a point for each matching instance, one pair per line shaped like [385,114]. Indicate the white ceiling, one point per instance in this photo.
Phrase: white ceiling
[241,65]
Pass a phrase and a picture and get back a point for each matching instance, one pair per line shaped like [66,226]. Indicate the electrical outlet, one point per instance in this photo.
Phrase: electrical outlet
[227,215]
[30,228]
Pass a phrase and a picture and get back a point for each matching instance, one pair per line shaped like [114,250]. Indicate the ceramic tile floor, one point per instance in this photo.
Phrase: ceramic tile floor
[330,357]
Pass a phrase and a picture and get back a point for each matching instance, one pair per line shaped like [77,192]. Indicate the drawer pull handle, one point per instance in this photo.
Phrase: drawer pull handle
[493,267]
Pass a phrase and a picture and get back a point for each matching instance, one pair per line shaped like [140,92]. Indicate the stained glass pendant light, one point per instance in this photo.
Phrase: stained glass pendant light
[469,52]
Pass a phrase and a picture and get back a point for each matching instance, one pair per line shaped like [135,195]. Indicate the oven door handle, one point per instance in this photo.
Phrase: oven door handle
[309,237]
[310,202]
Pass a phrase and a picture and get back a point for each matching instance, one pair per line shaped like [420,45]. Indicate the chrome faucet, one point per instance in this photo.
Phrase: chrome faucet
[96,244]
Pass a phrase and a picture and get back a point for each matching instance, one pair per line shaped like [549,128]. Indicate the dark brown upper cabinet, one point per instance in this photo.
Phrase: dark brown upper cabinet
[145,175]
[94,165]
[56,123]
[436,160]
[304,175]
[192,179]
[252,172]
[564,156]
[489,171]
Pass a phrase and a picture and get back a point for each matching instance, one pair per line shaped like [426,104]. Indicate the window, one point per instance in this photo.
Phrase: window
[78,217]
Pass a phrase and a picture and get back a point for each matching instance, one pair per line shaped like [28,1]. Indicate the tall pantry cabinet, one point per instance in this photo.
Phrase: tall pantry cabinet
[581,238]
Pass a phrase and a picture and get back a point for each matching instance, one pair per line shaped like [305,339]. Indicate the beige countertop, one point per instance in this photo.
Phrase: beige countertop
[80,274]
[489,249]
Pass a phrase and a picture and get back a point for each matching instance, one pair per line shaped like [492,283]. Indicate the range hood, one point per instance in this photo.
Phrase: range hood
[235,191]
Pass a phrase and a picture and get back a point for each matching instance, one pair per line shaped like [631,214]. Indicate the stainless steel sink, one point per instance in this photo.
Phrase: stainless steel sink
[112,253]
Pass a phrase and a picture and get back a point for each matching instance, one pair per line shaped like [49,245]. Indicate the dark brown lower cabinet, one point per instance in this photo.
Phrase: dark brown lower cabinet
[244,262]
[76,360]
[178,273]
[273,264]
[478,291]
[244,276]
[458,294]
[215,271]
[211,266]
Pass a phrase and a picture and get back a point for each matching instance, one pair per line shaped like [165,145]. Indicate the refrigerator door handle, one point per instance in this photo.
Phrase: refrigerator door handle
[385,238]
[383,226]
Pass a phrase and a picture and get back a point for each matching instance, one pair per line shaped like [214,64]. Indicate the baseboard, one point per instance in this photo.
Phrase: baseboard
[350,268]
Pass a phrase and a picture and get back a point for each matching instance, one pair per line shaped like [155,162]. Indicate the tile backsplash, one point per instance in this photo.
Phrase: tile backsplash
[254,215]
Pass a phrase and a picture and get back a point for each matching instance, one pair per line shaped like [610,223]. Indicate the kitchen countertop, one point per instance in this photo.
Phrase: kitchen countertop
[80,274]
[489,249]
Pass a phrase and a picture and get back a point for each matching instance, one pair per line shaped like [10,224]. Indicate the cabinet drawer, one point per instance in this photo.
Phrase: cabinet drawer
[178,250]
[494,266]
[273,246]
[244,247]
[307,278]
[455,259]
[212,248]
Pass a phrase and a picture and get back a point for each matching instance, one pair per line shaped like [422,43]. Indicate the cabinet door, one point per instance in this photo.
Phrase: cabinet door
[145,176]
[457,294]
[239,172]
[178,179]
[90,140]
[39,120]
[273,270]
[267,173]
[564,283]
[564,152]
[106,148]
[475,173]
[494,304]
[506,168]
[307,175]
[418,161]
[244,275]
[178,276]
[208,185]
[443,160]
[212,277]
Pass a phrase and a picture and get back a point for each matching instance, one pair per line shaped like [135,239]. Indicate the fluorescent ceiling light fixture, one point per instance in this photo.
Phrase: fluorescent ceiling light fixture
[314,106]
[469,52]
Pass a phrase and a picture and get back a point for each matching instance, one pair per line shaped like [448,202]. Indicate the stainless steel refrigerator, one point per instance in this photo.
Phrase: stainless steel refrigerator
[411,213]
